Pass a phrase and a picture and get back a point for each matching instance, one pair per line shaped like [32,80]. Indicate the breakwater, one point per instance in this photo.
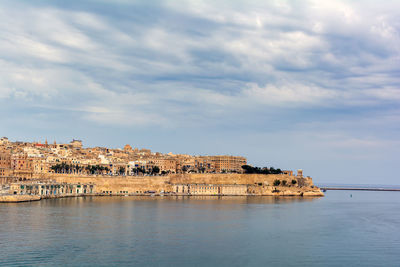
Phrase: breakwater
[361,189]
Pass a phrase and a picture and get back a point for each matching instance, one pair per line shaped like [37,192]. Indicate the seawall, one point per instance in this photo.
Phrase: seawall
[257,184]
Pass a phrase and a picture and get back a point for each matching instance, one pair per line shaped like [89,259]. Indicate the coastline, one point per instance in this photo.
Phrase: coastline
[61,185]
[32,198]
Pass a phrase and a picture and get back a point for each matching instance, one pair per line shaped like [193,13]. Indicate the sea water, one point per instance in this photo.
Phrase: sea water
[344,228]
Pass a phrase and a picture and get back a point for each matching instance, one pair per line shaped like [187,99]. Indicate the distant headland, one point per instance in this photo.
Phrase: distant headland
[35,170]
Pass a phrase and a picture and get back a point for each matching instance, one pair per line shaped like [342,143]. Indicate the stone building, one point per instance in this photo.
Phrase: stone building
[31,159]
[234,190]
[50,189]
[128,148]
[4,140]
[5,164]
[165,164]
[204,164]
[21,165]
[211,189]
[228,163]
[40,166]
[299,173]
[205,189]
[77,144]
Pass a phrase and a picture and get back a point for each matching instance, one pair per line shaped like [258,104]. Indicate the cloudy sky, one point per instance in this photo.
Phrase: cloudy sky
[290,84]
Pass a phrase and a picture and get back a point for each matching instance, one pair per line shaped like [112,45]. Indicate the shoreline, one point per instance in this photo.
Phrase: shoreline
[57,186]
[31,198]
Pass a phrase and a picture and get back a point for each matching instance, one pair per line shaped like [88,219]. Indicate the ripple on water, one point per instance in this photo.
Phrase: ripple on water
[245,231]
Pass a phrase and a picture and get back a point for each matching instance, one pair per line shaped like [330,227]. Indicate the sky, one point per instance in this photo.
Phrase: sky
[312,85]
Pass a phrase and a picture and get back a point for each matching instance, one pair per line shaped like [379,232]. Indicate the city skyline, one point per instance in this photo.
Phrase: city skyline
[293,84]
[36,160]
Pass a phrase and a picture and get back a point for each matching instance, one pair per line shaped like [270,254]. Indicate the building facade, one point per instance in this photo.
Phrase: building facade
[5,164]
[211,189]
[228,163]
[50,189]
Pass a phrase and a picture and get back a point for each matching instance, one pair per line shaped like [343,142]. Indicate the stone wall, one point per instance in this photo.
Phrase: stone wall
[234,178]
[118,184]
[258,184]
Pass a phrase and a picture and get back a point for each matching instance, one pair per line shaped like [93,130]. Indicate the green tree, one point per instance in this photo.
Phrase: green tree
[294,182]
[121,170]
[248,169]
[277,182]
[155,170]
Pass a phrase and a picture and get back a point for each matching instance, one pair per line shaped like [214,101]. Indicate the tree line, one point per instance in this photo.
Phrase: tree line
[152,171]
[71,168]
[98,169]
[257,170]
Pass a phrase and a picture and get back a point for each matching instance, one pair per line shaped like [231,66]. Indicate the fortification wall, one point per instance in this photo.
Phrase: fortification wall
[258,184]
[118,184]
[235,178]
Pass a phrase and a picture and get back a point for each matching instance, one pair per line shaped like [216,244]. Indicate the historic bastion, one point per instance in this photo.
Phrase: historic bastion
[201,184]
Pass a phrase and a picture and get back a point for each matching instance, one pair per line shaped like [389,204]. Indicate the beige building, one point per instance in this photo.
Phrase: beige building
[22,166]
[234,190]
[228,163]
[204,164]
[50,189]
[165,164]
[40,166]
[4,140]
[211,189]
[29,159]
[128,148]
[5,164]
[299,173]
[77,144]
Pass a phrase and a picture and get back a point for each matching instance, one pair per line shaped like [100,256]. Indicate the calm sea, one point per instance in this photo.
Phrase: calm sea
[345,228]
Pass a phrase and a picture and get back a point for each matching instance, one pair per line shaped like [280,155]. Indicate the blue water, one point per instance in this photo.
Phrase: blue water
[337,230]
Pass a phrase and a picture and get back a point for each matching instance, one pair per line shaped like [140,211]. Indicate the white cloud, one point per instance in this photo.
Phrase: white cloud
[288,94]
[206,60]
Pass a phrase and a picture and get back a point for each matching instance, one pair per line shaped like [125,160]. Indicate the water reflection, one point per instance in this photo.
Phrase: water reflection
[214,199]
[200,230]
